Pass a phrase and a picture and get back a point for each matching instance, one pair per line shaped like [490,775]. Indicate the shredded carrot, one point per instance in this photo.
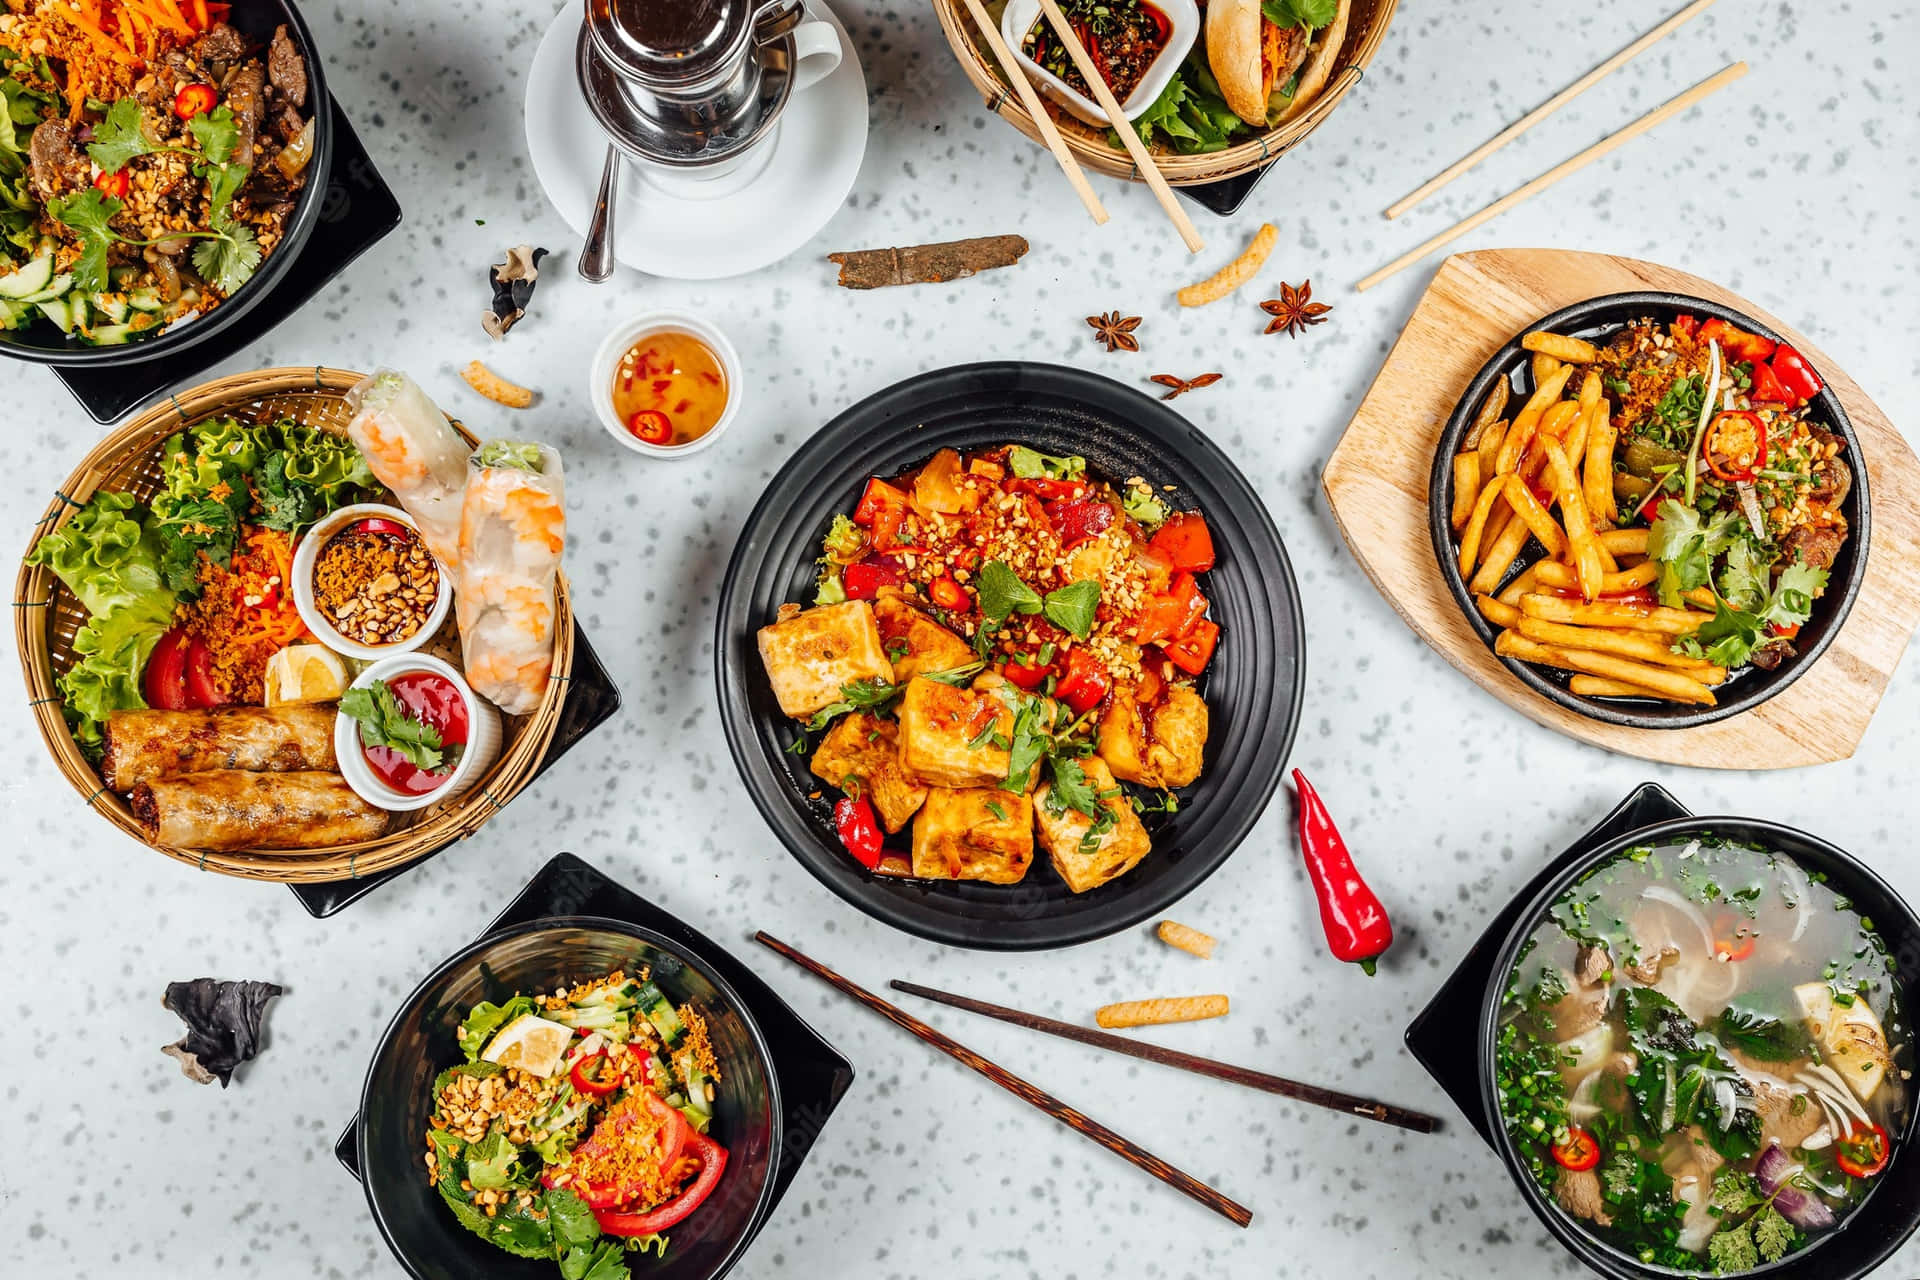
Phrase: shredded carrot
[163,13]
[200,20]
[104,42]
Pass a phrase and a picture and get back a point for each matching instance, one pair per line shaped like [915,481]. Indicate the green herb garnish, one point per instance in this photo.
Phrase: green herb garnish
[385,723]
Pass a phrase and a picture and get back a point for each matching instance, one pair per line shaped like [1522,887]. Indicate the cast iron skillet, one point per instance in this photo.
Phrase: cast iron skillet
[42,343]
[1882,1222]
[1252,688]
[419,1043]
[1596,319]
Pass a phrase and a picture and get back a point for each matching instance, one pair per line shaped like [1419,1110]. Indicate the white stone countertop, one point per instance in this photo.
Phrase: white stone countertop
[1797,187]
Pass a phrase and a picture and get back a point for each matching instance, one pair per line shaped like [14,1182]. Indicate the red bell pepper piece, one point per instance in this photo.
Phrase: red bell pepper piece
[1739,345]
[596,1086]
[1079,519]
[1048,490]
[854,821]
[1193,651]
[1173,613]
[1795,374]
[1186,542]
[1766,388]
[1028,673]
[1357,927]
[164,683]
[713,1162]
[864,578]
[1686,323]
[1085,683]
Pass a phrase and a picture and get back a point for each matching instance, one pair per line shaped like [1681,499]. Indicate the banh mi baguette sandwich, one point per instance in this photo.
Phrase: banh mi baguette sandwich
[1269,58]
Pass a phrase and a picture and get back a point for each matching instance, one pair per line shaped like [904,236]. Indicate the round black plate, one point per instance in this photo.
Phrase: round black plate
[1890,1213]
[1596,319]
[42,343]
[1253,687]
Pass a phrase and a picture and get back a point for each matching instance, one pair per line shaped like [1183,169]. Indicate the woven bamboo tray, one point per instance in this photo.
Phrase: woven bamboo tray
[1366,28]
[46,616]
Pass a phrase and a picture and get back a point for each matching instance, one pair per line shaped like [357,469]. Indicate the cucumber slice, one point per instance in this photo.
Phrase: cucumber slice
[144,300]
[57,311]
[110,335]
[653,1002]
[112,306]
[14,315]
[57,288]
[29,279]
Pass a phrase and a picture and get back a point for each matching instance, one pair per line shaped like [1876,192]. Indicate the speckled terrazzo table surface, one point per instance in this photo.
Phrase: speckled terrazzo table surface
[1797,187]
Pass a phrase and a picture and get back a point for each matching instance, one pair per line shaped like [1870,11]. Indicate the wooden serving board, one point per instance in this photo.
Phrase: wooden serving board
[1376,485]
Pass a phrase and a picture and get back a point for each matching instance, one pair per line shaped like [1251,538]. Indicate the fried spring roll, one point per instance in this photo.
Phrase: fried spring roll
[142,746]
[228,810]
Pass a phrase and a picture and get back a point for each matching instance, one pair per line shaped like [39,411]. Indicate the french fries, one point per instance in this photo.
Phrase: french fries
[1235,273]
[1477,528]
[1671,685]
[1490,410]
[1152,1013]
[1499,613]
[1630,617]
[1625,542]
[1561,578]
[1186,938]
[1598,477]
[1466,487]
[1502,551]
[1600,687]
[1571,350]
[1641,646]
[1582,548]
[1535,516]
[1542,366]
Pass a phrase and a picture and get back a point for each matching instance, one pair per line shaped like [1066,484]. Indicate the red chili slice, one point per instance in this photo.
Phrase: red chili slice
[1578,1153]
[113,185]
[1864,1152]
[598,1086]
[194,100]
[651,426]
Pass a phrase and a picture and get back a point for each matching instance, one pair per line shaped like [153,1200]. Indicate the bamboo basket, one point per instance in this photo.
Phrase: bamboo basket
[1366,28]
[46,617]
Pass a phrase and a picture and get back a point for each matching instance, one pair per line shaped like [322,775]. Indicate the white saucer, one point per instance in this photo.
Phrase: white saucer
[823,135]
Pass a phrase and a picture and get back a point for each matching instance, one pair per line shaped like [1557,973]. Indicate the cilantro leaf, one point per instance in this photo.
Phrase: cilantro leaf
[1773,1235]
[228,261]
[217,135]
[1072,608]
[1743,581]
[1072,790]
[1685,544]
[1734,1193]
[1311,14]
[861,695]
[120,137]
[385,723]
[1732,1250]
[573,1222]
[87,214]
[1792,600]
[223,183]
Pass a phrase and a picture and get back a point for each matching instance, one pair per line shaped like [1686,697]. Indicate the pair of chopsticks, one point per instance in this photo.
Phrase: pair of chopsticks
[1234,1212]
[1030,99]
[1605,146]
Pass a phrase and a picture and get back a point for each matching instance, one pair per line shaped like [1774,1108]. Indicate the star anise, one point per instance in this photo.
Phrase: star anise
[1115,330]
[1180,386]
[1295,309]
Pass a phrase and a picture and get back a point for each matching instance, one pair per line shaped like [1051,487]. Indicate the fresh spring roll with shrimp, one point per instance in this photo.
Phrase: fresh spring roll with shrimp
[513,525]
[415,452]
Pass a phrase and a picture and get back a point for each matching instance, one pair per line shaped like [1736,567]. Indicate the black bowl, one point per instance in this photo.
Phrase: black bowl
[1884,1220]
[1253,686]
[419,1043]
[42,343]
[1745,689]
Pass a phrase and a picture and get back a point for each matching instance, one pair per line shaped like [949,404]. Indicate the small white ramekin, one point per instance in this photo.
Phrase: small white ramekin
[1182,15]
[482,749]
[309,551]
[607,360]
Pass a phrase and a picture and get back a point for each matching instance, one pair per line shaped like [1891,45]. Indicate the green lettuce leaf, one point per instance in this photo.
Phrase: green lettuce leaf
[484,1019]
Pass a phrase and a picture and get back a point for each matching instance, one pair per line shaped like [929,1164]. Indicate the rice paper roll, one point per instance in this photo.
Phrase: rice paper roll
[142,746]
[228,810]
[414,451]
[513,527]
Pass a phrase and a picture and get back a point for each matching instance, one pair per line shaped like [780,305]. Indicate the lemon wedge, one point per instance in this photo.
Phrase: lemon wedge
[1855,1043]
[530,1043]
[305,673]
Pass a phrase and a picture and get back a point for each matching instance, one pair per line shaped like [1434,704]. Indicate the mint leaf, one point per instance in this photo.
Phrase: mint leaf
[385,723]
[1072,608]
[228,262]
[1002,594]
[120,137]
[217,135]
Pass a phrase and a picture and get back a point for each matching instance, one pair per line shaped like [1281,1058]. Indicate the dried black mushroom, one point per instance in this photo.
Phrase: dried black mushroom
[223,1025]
[513,282]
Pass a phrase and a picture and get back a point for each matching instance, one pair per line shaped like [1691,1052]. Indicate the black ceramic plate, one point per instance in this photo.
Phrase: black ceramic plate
[1746,689]
[418,1044]
[42,343]
[1253,687]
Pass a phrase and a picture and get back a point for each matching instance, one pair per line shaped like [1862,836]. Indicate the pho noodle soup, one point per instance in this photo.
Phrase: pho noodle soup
[1700,1056]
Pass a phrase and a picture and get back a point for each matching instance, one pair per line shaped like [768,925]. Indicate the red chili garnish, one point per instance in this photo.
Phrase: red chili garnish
[1733,940]
[1736,446]
[194,100]
[948,594]
[1356,925]
[388,528]
[1027,672]
[113,185]
[1578,1153]
[651,426]
[1864,1152]
[859,831]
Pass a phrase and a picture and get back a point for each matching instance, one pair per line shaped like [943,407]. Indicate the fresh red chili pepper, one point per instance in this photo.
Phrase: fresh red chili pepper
[1162,24]
[1739,345]
[652,426]
[1186,542]
[1732,939]
[1864,1152]
[1736,446]
[1078,519]
[1193,651]
[1085,683]
[713,1162]
[1766,388]
[1357,927]
[194,100]
[670,1134]
[1686,323]
[948,594]
[1027,672]
[1578,1153]
[1795,374]
[1786,630]
[859,832]
[864,578]
[600,1087]
[113,185]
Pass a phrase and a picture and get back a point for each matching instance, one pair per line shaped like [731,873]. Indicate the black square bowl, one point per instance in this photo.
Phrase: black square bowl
[1597,319]
[396,1101]
[1252,687]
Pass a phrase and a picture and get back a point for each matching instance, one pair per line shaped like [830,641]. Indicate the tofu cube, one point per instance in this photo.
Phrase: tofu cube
[976,833]
[937,724]
[812,655]
[1160,748]
[863,752]
[1085,864]
[915,642]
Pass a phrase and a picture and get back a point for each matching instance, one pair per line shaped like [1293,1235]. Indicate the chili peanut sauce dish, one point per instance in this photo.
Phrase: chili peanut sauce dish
[150,157]
[1658,520]
[1701,1057]
[1000,646]
[228,616]
[577,1128]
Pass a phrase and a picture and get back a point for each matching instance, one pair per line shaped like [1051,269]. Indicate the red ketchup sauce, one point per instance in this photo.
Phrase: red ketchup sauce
[432,699]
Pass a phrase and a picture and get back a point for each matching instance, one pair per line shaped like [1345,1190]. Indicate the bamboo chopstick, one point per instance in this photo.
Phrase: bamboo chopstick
[1103,94]
[1658,115]
[1235,1213]
[1042,118]
[1545,109]
[1365,1108]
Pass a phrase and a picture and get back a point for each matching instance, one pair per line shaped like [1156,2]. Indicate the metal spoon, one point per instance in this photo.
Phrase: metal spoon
[596,255]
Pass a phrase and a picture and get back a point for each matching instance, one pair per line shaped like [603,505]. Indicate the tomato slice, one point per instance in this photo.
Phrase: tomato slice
[1186,542]
[1086,682]
[164,684]
[202,692]
[1193,651]
[713,1162]
[673,1134]
[1027,672]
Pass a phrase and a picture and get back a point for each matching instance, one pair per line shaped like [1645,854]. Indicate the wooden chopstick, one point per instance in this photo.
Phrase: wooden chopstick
[1042,118]
[1546,108]
[1658,115]
[1103,94]
[1237,1214]
[1365,1108]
